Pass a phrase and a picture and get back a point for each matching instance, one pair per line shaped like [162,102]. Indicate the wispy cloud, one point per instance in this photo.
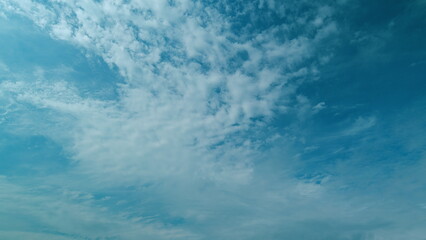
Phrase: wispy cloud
[182,85]
[195,90]
[38,212]
[187,148]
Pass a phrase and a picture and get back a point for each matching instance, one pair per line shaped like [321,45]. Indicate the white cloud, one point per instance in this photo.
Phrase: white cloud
[320,106]
[51,215]
[361,124]
[184,131]
[166,103]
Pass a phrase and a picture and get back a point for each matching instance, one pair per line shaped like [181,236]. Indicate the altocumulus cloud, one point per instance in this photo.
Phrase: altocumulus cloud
[188,146]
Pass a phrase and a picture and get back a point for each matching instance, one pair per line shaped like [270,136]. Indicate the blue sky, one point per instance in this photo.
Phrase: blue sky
[205,120]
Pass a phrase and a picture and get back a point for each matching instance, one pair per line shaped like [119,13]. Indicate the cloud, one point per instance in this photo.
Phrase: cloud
[360,124]
[181,128]
[187,148]
[55,214]
[181,83]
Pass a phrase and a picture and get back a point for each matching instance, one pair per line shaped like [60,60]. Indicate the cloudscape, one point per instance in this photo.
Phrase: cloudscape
[212,120]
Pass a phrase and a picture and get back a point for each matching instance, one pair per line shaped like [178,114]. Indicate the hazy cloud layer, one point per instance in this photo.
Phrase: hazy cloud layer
[207,128]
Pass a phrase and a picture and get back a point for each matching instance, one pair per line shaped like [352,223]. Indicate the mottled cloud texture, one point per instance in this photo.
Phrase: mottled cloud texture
[190,121]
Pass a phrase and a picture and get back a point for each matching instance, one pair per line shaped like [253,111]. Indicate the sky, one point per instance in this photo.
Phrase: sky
[212,120]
